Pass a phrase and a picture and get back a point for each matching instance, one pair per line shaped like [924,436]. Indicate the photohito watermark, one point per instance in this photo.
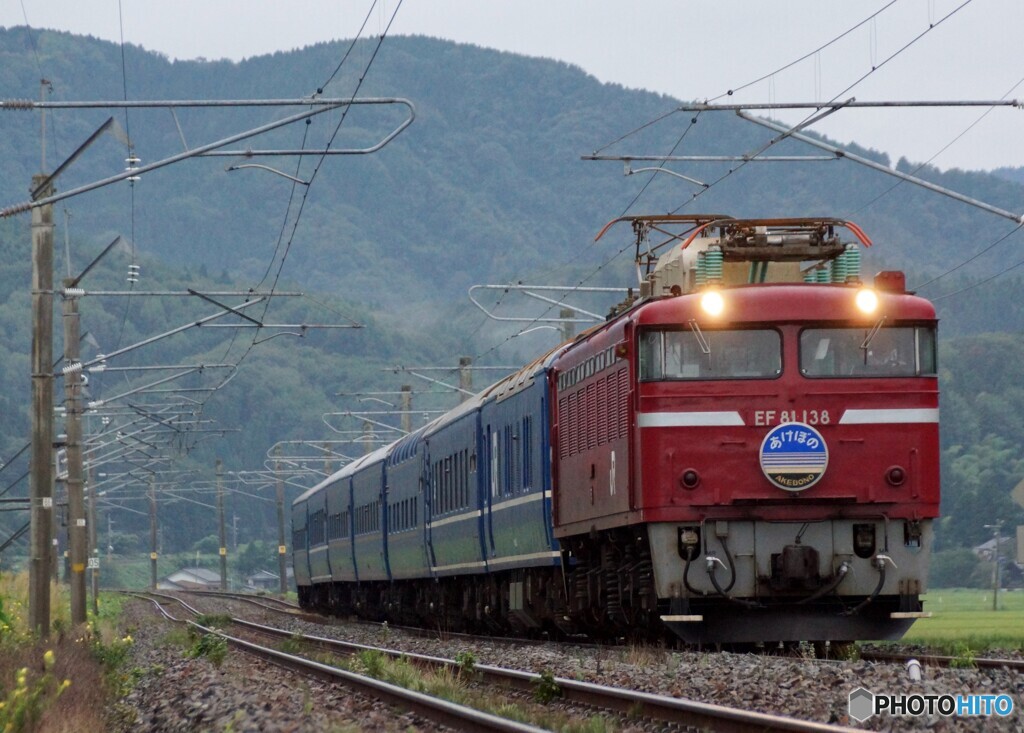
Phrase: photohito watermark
[864,704]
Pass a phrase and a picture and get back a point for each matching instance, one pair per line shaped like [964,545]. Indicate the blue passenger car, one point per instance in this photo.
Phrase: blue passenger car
[300,547]
[316,529]
[406,508]
[369,530]
[339,527]
[517,514]
[449,525]
[456,493]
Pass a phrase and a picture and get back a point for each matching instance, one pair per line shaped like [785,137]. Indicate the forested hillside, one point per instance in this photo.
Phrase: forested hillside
[486,186]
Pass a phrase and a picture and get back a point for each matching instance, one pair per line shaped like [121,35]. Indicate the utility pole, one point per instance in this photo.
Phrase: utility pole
[41,472]
[996,533]
[77,533]
[406,405]
[93,550]
[465,378]
[328,464]
[282,549]
[223,534]
[368,437]
[568,325]
[152,533]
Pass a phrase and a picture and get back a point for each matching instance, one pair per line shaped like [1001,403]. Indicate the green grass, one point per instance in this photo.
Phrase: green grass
[963,616]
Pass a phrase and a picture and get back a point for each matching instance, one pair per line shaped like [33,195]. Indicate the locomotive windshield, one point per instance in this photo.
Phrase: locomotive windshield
[695,354]
[900,351]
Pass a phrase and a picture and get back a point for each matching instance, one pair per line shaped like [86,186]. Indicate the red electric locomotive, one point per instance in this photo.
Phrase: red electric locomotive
[750,451]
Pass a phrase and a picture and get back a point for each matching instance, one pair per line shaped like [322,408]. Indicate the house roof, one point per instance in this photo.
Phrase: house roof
[264,575]
[199,575]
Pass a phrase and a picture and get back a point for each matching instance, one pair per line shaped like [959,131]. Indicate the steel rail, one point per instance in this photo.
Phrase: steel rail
[939,660]
[446,713]
[284,606]
[633,702]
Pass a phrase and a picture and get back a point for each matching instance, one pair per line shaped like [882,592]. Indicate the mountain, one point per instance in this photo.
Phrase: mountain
[1010,174]
[486,186]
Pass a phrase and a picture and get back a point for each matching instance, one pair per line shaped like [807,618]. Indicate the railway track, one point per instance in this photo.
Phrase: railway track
[632,703]
[443,712]
[868,655]
[938,660]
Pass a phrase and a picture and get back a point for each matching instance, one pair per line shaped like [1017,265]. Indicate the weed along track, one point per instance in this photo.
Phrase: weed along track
[788,685]
[542,698]
[213,642]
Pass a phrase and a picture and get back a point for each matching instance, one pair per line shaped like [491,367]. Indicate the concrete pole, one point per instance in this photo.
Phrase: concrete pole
[282,549]
[41,470]
[93,549]
[465,377]
[997,535]
[77,532]
[568,328]
[328,463]
[153,554]
[406,406]
[367,437]
[223,534]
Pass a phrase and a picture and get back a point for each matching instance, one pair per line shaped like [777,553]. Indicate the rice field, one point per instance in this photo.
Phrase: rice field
[964,617]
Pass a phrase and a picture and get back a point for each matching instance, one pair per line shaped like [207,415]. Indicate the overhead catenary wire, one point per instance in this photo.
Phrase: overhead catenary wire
[759,79]
[202,403]
[317,167]
[131,184]
[998,241]
[810,54]
[874,68]
[348,51]
[922,165]
[803,123]
[806,120]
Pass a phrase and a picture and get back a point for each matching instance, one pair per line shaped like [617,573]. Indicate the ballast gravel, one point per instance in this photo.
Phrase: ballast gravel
[177,693]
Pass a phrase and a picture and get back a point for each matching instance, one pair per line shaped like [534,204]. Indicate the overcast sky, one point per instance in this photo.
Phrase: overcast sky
[689,49]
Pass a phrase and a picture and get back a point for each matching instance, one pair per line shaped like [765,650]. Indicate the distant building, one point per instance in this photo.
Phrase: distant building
[263,580]
[986,550]
[191,579]
[266,580]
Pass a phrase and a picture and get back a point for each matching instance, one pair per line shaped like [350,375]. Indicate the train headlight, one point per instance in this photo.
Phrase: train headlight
[712,303]
[867,300]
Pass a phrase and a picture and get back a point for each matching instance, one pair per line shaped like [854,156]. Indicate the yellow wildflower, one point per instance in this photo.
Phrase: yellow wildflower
[48,658]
